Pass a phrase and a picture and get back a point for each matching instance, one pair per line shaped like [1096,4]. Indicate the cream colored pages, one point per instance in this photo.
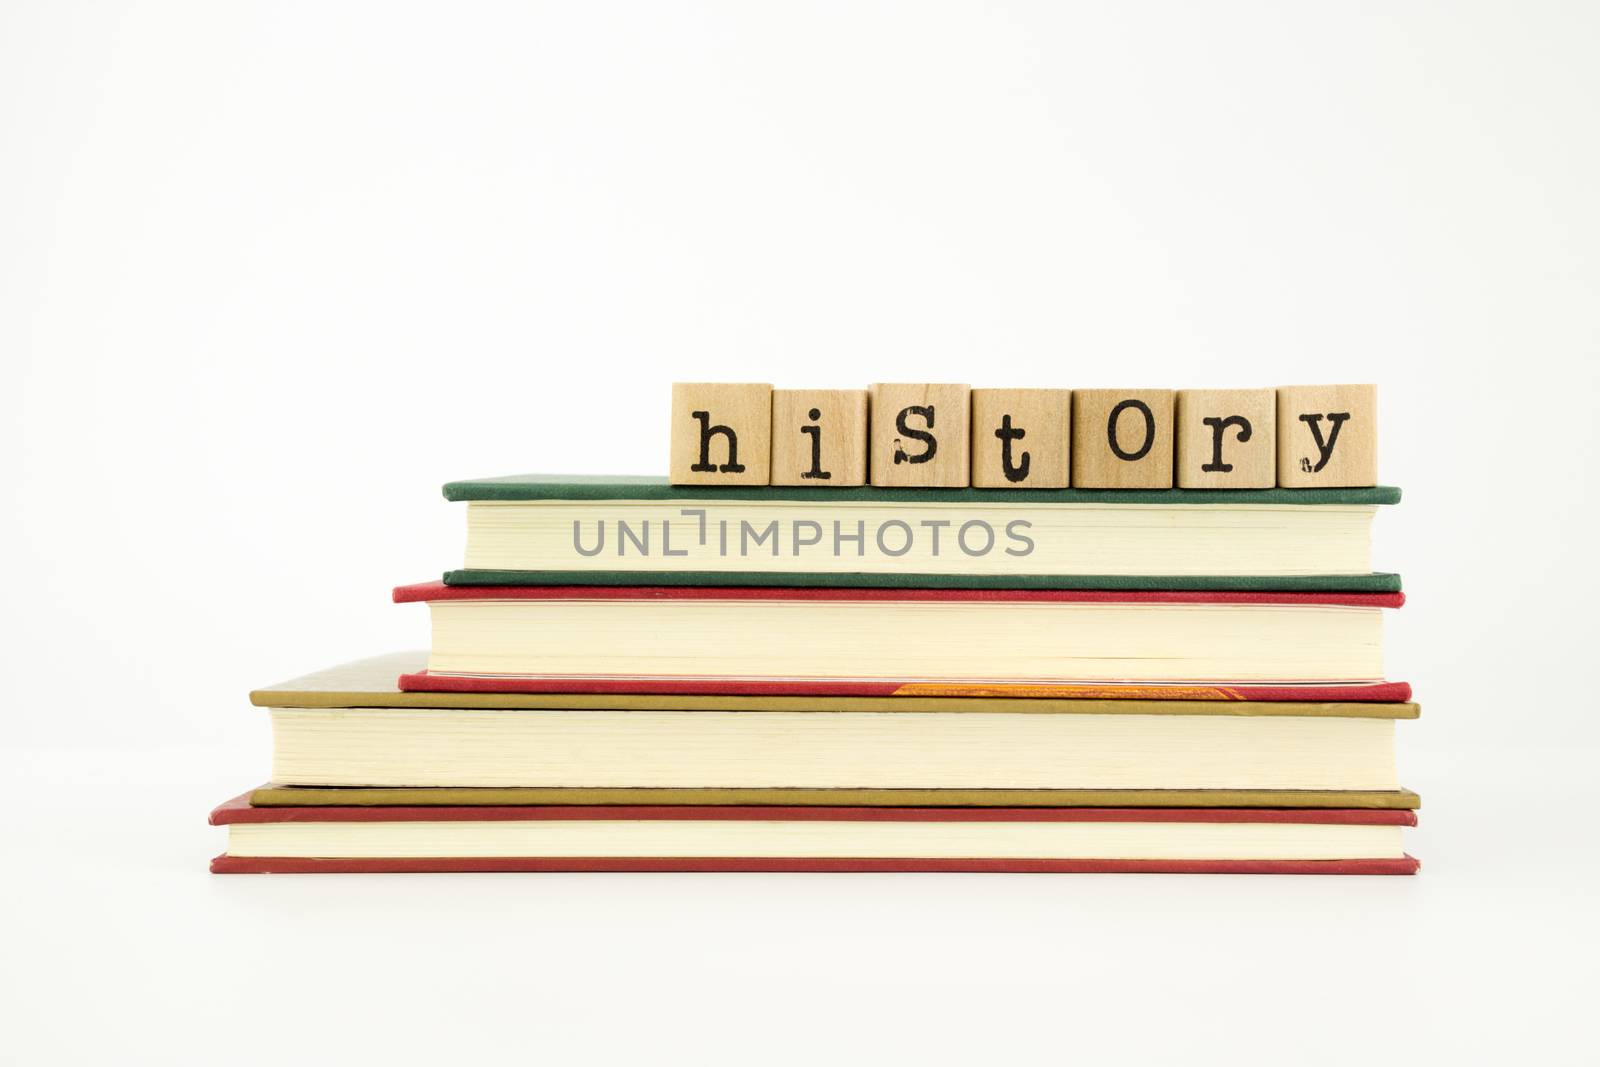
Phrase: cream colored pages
[844,537]
[484,747]
[944,639]
[923,840]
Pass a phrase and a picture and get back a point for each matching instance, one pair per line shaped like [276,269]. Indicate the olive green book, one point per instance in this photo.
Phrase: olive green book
[276,796]
[373,683]
[614,530]
[348,736]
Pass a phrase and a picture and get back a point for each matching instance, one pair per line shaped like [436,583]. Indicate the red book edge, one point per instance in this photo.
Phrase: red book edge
[254,865]
[1370,693]
[427,591]
[239,810]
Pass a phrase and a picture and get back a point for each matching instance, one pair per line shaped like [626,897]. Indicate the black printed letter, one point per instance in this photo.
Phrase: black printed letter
[1007,435]
[815,433]
[1217,427]
[1149,429]
[707,432]
[900,454]
[1336,419]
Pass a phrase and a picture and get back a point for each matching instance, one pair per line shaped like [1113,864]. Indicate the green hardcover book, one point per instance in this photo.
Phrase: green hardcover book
[609,530]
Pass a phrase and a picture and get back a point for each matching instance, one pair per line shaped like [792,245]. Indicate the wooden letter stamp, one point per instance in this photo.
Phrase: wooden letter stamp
[1122,438]
[721,433]
[819,437]
[919,434]
[1226,439]
[1020,438]
[1327,436]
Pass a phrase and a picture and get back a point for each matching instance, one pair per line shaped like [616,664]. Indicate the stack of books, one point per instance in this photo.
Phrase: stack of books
[634,675]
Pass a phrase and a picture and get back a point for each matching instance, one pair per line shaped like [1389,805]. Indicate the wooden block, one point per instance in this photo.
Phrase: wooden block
[721,433]
[1020,438]
[1227,438]
[918,434]
[1327,435]
[1122,438]
[819,437]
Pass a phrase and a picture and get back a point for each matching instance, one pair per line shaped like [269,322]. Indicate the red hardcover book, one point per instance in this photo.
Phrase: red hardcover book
[865,642]
[286,840]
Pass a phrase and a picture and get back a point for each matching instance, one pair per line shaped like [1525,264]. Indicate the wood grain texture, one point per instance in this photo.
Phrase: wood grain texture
[1248,448]
[1133,452]
[1021,438]
[1327,436]
[819,437]
[732,433]
[919,434]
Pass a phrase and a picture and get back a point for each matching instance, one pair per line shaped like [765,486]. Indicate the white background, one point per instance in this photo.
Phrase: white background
[271,273]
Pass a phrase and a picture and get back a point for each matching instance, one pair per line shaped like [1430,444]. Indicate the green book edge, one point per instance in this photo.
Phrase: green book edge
[645,487]
[1298,583]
